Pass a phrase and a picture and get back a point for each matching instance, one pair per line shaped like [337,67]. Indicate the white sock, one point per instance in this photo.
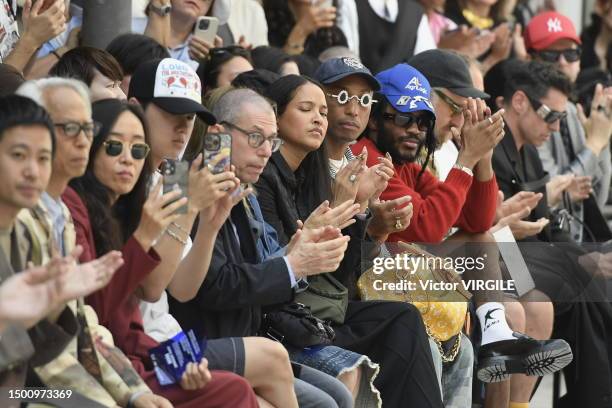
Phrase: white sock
[492,316]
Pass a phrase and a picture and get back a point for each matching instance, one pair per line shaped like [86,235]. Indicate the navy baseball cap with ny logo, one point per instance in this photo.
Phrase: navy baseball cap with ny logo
[335,69]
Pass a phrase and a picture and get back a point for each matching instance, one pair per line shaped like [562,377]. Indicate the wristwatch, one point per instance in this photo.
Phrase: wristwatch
[464,169]
[162,11]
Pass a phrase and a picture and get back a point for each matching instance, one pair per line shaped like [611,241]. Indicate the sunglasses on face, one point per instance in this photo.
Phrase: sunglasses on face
[456,108]
[406,120]
[72,129]
[138,150]
[343,98]
[545,113]
[570,55]
[234,50]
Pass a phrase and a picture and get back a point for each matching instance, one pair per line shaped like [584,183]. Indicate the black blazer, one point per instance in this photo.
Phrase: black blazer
[230,301]
[521,171]
[283,202]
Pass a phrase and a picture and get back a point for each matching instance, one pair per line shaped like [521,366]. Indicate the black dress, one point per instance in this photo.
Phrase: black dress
[390,333]
[583,316]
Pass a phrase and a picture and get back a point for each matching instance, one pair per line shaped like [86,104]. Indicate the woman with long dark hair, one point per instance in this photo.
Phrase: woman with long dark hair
[297,185]
[111,210]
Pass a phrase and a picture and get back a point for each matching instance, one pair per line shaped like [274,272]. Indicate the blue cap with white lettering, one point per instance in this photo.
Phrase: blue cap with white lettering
[406,89]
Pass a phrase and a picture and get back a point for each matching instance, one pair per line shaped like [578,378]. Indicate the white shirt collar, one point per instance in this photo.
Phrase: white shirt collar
[385,9]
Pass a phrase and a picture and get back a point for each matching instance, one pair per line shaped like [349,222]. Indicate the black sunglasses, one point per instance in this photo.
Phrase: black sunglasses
[138,150]
[406,120]
[570,55]
[548,115]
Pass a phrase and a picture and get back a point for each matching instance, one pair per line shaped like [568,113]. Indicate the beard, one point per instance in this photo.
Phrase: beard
[386,143]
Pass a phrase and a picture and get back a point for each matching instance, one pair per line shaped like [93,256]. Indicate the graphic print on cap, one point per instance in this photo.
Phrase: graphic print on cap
[176,79]
[554,25]
[353,63]
[415,85]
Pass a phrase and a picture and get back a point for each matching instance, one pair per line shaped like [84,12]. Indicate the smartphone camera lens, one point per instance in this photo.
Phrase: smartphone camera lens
[168,168]
[203,25]
[213,142]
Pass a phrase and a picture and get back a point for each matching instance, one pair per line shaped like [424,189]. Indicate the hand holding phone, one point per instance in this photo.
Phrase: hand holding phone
[176,177]
[206,28]
[217,152]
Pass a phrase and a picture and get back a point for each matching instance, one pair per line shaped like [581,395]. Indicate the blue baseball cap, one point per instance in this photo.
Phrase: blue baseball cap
[406,89]
[335,69]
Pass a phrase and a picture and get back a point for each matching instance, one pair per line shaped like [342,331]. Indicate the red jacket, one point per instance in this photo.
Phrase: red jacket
[115,304]
[437,206]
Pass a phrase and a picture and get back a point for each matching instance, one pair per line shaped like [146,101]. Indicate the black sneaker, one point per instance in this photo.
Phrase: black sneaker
[500,359]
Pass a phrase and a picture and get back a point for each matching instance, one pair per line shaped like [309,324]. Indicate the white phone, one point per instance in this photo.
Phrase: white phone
[206,28]
[324,4]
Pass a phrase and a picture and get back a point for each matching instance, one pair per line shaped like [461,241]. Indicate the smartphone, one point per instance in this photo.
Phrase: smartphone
[323,4]
[217,152]
[206,28]
[176,177]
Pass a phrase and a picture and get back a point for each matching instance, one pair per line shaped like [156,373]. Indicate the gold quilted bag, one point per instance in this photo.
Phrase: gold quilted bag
[443,310]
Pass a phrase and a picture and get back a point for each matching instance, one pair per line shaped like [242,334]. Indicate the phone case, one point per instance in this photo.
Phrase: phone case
[176,177]
[217,152]
[206,28]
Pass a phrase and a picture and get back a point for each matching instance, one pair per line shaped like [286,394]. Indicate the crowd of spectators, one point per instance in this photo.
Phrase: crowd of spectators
[358,129]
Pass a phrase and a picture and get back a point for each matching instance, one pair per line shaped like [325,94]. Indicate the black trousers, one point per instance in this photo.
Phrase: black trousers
[393,335]
[582,318]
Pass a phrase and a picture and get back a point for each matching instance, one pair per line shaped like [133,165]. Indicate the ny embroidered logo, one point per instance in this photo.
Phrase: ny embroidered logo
[554,25]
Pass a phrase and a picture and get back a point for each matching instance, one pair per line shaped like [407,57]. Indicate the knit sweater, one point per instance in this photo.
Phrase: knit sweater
[460,201]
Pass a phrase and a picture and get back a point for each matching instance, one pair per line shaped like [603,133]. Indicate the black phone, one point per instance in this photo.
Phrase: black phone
[176,177]
[217,152]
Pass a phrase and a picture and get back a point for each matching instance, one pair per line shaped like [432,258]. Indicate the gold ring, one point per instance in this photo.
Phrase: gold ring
[398,224]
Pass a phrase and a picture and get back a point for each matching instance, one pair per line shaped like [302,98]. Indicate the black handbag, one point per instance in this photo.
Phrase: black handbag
[295,325]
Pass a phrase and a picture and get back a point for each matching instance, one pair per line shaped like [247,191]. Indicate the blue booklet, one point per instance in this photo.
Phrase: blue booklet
[171,357]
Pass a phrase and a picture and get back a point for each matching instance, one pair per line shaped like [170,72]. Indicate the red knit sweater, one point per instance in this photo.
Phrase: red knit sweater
[437,206]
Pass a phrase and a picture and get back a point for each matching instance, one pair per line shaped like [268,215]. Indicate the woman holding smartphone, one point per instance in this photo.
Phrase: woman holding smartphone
[111,210]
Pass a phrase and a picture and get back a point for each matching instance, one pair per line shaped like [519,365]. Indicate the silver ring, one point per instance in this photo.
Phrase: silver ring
[490,120]
[352,178]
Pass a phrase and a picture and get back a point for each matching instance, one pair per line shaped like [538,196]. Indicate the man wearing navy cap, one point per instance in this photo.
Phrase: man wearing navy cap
[403,125]
[349,88]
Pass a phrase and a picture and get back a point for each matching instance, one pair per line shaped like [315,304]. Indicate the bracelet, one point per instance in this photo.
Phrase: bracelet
[464,169]
[174,236]
[177,226]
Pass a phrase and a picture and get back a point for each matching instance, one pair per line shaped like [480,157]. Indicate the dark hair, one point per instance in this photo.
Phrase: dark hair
[208,71]
[258,80]
[270,58]
[535,78]
[378,109]
[81,63]
[307,64]
[18,110]
[10,79]
[317,181]
[323,39]
[112,224]
[131,50]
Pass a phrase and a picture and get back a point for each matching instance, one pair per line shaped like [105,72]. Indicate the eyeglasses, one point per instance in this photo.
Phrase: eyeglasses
[138,150]
[545,113]
[343,98]
[406,120]
[72,129]
[570,55]
[455,107]
[256,139]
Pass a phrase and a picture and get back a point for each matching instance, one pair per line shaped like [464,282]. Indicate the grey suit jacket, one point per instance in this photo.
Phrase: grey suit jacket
[556,160]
